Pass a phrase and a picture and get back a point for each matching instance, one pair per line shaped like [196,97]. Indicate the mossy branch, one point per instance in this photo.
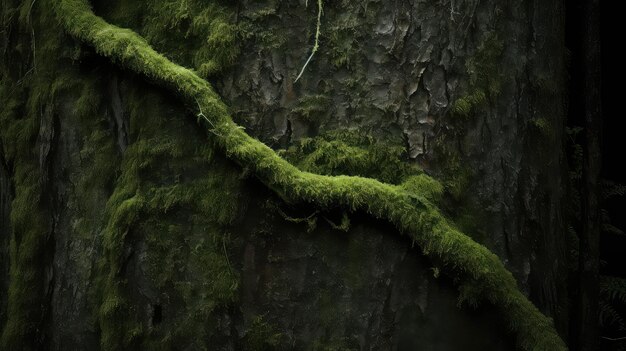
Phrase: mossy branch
[469,262]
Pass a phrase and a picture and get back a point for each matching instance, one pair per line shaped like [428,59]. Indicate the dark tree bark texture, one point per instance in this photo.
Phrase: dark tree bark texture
[124,225]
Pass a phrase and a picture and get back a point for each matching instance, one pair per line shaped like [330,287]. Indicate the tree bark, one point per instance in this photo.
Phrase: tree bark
[159,239]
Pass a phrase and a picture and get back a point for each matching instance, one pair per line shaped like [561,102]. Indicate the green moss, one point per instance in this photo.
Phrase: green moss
[346,152]
[341,44]
[467,261]
[465,105]
[29,84]
[542,125]
[484,77]
[199,35]
[484,82]
[310,220]
[329,319]
[336,344]
[425,186]
[456,174]
[183,222]
[355,271]
[311,106]
[261,336]
[28,241]
[257,25]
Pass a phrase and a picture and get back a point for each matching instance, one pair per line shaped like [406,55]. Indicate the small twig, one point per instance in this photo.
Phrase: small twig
[311,220]
[201,114]
[30,9]
[317,38]
[453,12]
[21,80]
[345,223]
[613,339]
[226,253]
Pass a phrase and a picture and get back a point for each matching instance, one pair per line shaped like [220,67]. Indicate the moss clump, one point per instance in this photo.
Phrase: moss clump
[31,91]
[466,104]
[346,152]
[199,34]
[183,222]
[341,45]
[541,125]
[329,320]
[311,106]
[456,174]
[424,185]
[469,262]
[261,336]
[254,26]
[485,79]
[38,73]
[29,222]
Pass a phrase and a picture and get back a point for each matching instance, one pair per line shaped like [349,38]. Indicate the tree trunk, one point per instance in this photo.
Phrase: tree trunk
[124,225]
[589,260]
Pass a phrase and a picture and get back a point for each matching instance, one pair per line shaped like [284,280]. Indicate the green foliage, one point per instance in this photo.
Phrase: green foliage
[425,186]
[612,288]
[612,302]
[483,67]
[459,256]
[485,79]
[607,226]
[611,189]
[575,163]
[341,45]
[29,85]
[346,152]
[542,125]
[310,106]
[199,34]
[140,205]
[456,173]
[254,27]
[465,105]
[612,297]
[183,223]
[261,336]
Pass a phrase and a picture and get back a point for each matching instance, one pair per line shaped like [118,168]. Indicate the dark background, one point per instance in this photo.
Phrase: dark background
[612,246]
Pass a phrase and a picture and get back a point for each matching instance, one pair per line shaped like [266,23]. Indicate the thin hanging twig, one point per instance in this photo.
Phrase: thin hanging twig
[613,339]
[317,37]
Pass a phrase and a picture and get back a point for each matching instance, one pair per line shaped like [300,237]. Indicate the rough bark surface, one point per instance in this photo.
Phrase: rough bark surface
[396,70]
[472,89]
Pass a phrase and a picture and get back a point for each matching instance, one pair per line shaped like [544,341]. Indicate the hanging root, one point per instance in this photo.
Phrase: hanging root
[317,38]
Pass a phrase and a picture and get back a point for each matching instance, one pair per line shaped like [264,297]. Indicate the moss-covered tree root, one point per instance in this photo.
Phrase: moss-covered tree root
[479,272]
